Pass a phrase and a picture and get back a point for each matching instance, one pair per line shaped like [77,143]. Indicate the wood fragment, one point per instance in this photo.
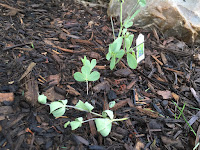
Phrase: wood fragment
[86,42]
[6,97]
[156,59]
[28,70]
[178,72]
[164,59]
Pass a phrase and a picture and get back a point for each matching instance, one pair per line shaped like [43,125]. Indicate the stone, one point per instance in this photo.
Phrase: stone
[178,18]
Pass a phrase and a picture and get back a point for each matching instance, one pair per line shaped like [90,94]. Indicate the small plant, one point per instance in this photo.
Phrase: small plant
[115,53]
[86,75]
[103,123]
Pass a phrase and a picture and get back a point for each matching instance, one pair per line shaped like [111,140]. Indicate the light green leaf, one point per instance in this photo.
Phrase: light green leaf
[66,124]
[80,119]
[130,50]
[42,99]
[94,76]
[128,41]
[64,101]
[124,31]
[112,104]
[132,62]
[93,64]
[89,106]
[85,71]
[55,105]
[120,54]
[85,61]
[59,112]
[108,113]
[78,76]
[108,56]
[133,16]
[142,3]
[128,24]
[112,63]
[77,123]
[116,45]
[104,126]
[85,106]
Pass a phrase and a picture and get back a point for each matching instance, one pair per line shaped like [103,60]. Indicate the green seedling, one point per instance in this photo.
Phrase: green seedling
[86,73]
[103,122]
[124,39]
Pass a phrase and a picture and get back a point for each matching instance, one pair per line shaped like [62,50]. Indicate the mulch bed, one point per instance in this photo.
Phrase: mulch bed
[41,46]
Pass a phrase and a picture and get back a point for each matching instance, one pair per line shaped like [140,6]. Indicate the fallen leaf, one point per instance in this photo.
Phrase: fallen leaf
[165,94]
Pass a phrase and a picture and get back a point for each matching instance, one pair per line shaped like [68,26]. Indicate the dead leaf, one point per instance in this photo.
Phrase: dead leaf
[102,86]
[52,95]
[175,96]
[165,94]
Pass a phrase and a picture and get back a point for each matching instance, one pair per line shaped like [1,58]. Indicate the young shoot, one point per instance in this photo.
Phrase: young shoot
[103,121]
[122,44]
[86,73]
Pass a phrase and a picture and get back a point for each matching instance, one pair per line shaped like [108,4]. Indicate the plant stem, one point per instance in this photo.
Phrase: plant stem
[96,114]
[69,106]
[122,119]
[121,14]
[87,86]
[112,27]
[121,24]
[89,120]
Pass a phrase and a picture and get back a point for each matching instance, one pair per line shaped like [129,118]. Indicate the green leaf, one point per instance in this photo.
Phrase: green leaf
[64,101]
[89,106]
[85,106]
[77,123]
[85,61]
[112,63]
[78,76]
[93,64]
[124,31]
[95,75]
[112,104]
[132,62]
[120,54]
[55,105]
[116,45]
[133,16]
[108,113]
[108,56]
[85,71]
[66,124]
[42,99]
[142,3]
[128,24]
[130,50]
[104,126]
[128,41]
[59,112]
[58,108]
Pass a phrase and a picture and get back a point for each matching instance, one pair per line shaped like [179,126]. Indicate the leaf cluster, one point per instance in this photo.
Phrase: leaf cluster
[86,73]
[103,123]
[122,44]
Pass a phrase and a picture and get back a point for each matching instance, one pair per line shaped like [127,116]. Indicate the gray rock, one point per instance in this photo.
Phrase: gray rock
[177,18]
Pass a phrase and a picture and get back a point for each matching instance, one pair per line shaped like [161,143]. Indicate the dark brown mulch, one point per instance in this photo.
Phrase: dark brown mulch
[41,46]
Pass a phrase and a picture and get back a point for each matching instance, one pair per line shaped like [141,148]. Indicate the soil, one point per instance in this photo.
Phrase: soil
[42,43]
